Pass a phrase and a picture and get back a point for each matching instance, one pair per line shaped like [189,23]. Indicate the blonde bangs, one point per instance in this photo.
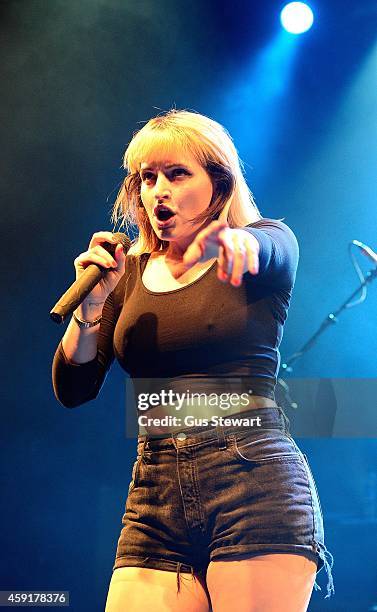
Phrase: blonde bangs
[152,141]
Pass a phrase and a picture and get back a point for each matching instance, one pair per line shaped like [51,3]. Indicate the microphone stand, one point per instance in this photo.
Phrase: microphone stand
[331,319]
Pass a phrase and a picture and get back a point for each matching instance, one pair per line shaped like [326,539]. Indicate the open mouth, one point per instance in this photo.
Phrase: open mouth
[163,213]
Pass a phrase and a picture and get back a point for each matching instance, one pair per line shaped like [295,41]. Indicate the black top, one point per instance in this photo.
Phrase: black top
[204,329]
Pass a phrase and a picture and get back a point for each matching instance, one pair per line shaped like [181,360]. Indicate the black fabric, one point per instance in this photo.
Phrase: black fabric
[205,329]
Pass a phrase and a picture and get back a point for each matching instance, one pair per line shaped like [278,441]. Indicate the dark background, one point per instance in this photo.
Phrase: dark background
[77,79]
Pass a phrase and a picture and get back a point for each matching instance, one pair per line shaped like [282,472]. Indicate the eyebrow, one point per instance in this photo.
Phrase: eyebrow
[167,166]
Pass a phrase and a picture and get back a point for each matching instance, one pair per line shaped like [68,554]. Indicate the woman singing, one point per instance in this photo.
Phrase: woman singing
[219,515]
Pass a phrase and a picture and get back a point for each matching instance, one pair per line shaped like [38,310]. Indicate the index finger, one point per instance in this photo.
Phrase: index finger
[100,237]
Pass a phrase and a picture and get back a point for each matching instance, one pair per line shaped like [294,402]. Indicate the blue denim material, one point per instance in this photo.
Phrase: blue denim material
[221,494]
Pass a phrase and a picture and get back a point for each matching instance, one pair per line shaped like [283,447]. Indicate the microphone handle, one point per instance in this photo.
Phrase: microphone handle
[77,292]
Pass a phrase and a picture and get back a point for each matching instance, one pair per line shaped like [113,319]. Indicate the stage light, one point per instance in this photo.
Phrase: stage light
[296,17]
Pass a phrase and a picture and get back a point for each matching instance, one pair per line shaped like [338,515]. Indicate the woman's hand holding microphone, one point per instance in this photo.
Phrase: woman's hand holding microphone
[80,339]
[91,307]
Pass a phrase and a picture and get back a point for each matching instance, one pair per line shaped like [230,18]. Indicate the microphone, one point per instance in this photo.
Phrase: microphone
[87,281]
[366,250]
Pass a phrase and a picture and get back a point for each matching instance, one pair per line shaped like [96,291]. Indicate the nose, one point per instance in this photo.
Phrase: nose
[162,188]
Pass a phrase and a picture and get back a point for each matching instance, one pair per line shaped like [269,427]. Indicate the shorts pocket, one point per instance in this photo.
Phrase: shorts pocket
[266,446]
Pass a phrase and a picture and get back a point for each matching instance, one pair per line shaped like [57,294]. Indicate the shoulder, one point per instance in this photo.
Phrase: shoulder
[278,232]
[272,226]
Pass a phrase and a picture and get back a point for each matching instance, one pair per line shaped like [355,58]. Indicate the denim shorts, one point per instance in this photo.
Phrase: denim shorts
[222,493]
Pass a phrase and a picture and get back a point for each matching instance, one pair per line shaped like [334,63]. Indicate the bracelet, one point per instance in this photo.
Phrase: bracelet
[86,324]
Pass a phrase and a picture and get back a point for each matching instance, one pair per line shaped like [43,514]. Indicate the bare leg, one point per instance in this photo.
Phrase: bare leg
[273,582]
[139,589]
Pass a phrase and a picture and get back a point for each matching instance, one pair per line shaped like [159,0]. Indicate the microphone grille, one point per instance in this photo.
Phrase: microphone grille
[124,240]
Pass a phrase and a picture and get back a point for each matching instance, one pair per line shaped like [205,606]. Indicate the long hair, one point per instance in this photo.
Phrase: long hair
[212,146]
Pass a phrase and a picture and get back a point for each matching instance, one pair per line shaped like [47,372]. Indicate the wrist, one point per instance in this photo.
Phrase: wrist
[84,324]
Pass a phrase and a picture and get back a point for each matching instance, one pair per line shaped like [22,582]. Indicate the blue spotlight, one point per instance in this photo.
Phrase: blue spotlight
[296,17]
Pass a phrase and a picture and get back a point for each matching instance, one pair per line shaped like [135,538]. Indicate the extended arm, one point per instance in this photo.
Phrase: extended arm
[266,249]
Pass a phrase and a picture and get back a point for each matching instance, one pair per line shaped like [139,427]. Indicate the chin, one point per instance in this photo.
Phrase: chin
[168,231]
[165,231]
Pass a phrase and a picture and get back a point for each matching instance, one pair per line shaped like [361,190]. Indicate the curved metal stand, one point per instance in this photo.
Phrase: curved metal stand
[331,319]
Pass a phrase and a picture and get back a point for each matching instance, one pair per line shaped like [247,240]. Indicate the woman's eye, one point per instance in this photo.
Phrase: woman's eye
[146,175]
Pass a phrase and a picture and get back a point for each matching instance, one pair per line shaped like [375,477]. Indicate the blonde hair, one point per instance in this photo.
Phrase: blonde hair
[212,146]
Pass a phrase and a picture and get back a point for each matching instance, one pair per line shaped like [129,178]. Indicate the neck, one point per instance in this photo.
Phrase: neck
[175,251]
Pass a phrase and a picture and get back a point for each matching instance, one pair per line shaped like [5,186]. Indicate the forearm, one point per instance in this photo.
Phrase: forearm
[84,355]
[80,361]
[80,345]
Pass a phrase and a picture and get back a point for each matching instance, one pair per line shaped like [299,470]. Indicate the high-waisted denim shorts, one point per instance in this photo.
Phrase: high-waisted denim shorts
[222,493]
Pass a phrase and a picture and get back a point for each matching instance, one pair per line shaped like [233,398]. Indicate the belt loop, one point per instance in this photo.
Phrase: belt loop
[143,447]
[286,421]
[221,437]
[174,441]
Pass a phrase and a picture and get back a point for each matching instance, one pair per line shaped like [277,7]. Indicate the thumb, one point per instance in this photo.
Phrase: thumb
[120,258]
[193,254]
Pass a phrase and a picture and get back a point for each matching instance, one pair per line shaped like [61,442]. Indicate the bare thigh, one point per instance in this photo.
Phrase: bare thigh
[139,589]
[273,582]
